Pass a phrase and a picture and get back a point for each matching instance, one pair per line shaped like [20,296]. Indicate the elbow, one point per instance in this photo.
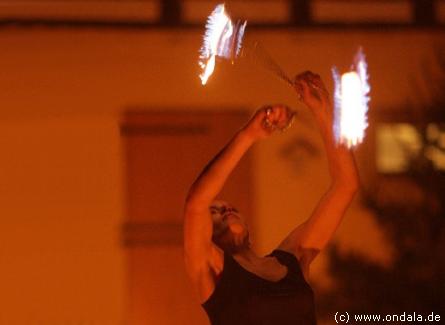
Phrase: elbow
[191,204]
[195,203]
[192,199]
[196,194]
[349,185]
[346,179]
[353,184]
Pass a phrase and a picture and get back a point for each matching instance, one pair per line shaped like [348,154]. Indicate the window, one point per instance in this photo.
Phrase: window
[400,145]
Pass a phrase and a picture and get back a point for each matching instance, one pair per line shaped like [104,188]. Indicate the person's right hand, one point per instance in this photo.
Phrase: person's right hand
[268,119]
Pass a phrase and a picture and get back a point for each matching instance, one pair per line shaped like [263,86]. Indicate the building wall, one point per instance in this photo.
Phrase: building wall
[63,92]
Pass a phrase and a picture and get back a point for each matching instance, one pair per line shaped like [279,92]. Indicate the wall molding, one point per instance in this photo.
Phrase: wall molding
[172,14]
[151,233]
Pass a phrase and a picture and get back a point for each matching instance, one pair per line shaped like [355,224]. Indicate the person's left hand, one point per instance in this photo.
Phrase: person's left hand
[311,90]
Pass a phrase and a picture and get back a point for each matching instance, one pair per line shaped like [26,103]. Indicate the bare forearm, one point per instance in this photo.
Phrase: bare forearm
[341,162]
[313,93]
[211,180]
[313,235]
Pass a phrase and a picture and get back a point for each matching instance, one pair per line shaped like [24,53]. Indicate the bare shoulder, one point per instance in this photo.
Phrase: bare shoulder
[293,244]
[304,256]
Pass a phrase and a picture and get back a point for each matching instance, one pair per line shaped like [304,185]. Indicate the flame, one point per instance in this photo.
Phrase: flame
[351,103]
[239,41]
[222,38]
[217,23]
[352,130]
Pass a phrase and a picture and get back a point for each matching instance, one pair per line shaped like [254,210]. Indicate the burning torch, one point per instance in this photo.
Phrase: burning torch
[351,99]
[224,39]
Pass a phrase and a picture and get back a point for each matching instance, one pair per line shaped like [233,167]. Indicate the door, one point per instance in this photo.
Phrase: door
[165,151]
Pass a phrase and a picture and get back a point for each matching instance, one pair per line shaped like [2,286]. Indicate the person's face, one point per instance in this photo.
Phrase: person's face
[228,224]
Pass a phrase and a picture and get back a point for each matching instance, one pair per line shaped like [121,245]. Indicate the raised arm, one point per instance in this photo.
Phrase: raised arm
[310,237]
[203,260]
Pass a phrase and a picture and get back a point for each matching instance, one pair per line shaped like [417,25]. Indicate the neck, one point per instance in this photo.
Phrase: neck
[246,254]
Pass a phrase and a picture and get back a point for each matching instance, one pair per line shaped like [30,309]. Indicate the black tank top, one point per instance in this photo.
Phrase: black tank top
[243,298]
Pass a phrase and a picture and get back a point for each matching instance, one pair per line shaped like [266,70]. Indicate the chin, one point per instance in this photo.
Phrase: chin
[237,229]
[238,243]
[234,239]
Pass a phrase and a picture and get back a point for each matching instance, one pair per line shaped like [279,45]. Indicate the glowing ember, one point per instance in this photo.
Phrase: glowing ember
[351,103]
[221,39]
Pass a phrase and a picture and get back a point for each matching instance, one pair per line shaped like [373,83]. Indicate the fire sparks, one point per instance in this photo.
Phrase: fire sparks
[351,98]
[222,39]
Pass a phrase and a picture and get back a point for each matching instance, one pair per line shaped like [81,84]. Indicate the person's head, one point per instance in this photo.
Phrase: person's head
[230,231]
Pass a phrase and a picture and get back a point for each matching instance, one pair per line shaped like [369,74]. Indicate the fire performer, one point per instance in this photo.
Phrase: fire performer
[234,284]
